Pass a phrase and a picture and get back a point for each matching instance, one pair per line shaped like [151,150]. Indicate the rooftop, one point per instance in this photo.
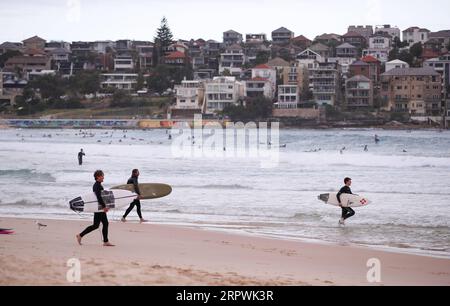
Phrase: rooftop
[358,78]
[282,30]
[425,71]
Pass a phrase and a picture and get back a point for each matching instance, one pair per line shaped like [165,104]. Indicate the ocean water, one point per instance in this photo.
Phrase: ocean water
[406,175]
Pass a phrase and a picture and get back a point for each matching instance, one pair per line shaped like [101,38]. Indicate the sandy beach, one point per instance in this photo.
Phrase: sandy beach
[149,254]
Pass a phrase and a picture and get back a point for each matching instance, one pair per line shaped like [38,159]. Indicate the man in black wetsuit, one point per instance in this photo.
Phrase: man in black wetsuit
[347,212]
[80,157]
[99,216]
[134,180]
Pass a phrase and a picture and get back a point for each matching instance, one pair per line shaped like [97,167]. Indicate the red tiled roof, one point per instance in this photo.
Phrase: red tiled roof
[300,38]
[176,54]
[369,59]
[259,79]
[262,66]
[428,54]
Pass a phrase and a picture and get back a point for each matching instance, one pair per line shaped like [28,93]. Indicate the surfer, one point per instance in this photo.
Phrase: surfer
[377,139]
[366,148]
[99,217]
[347,212]
[134,180]
[80,157]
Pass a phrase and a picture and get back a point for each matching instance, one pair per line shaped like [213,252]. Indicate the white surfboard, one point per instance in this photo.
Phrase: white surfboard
[347,200]
[113,199]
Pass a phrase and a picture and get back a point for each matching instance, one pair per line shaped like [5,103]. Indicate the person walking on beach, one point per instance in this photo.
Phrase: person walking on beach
[347,212]
[99,217]
[134,180]
[80,157]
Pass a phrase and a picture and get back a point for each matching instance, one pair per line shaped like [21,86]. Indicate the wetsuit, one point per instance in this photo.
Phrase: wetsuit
[99,217]
[347,212]
[80,158]
[134,180]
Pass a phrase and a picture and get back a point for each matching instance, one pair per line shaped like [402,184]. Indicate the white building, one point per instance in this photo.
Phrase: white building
[387,29]
[396,64]
[309,58]
[255,38]
[123,62]
[259,87]
[190,95]
[414,35]
[232,60]
[266,72]
[123,81]
[288,96]
[101,46]
[380,44]
[221,92]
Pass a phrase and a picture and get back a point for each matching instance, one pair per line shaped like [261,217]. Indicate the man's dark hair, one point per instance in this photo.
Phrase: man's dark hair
[346,180]
[134,172]
[98,173]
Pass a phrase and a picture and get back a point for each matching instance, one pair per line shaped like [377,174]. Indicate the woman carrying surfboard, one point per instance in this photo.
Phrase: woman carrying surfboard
[134,181]
[99,217]
[347,212]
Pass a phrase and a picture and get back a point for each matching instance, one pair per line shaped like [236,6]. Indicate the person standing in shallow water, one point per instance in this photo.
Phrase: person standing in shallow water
[80,157]
[99,217]
[347,212]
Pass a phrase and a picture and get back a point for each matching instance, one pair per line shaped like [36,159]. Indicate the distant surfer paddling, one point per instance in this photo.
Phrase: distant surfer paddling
[134,180]
[99,217]
[80,157]
[347,212]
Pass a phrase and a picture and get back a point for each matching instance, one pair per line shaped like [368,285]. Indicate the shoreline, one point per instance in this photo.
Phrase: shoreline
[241,232]
[155,254]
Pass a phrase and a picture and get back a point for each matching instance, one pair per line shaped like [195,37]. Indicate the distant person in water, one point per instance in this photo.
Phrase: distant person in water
[347,212]
[99,217]
[134,180]
[377,139]
[80,157]
[366,148]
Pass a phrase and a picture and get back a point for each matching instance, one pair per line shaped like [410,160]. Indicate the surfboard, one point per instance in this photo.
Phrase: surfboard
[113,199]
[347,200]
[148,191]
[6,231]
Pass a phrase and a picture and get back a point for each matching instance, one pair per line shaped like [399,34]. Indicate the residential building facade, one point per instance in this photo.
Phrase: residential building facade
[358,92]
[415,35]
[325,82]
[122,81]
[190,95]
[393,31]
[413,90]
[282,36]
[396,64]
[221,92]
[232,60]
[232,37]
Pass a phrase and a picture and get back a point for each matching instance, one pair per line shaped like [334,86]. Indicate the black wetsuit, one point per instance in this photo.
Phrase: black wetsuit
[134,180]
[99,217]
[347,212]
[80,158]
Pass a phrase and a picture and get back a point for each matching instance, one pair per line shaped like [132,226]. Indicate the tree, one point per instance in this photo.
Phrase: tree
[416,50]
[51,87]
[163,40]
[7,55]
[85,82]
[406,57]
[393,54]
[226,72]
[160,79]
[140,81]
[255,108]
[262,57]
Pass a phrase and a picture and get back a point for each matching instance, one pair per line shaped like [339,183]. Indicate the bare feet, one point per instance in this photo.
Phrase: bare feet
[143,221]
[108,244]
[79,239]
[123,220]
